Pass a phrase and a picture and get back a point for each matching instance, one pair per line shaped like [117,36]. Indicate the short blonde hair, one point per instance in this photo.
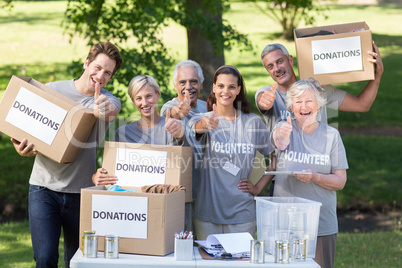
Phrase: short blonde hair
[139,82]
[300,87]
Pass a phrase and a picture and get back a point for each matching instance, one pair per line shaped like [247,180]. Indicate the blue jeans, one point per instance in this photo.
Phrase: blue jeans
[48,212]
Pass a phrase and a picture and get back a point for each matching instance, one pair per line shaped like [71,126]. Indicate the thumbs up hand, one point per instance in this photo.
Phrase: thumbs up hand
[183,108]
[281,134]
[212,121]
[101,103]
[173,126]
[265,100]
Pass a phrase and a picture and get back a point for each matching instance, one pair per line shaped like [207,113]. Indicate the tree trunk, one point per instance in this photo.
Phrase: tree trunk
[202,50]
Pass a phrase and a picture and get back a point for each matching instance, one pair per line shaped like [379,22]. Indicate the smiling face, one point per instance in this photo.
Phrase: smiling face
[99,70]
[146,101]
[280,68]
[187,79]
[226,89]
[305,108]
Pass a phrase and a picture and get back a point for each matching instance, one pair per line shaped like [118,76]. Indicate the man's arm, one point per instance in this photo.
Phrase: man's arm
[363,102]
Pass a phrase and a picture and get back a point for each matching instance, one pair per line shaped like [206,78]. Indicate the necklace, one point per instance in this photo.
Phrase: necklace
[234,135]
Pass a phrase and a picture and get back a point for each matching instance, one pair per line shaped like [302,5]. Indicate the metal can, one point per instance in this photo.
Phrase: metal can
[83,236]
[281,251]
[90,245]
[257,251]
[111,246]
[299,250]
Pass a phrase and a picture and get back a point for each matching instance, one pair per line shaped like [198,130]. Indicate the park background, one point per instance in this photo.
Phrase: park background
[33,43]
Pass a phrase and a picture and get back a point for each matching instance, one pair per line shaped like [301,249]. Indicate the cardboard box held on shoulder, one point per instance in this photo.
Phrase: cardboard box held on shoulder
[144,222]
[335,53]
[55,124]
[137,164]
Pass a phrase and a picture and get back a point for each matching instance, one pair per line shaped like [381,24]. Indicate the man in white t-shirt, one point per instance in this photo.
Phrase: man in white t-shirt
[54,193]
[187,81]
[270,100]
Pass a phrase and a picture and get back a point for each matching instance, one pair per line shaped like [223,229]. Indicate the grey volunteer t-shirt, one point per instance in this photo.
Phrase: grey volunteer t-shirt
[219,200]
[278,112]
[190,138]
[70,178]
[156,135]
[321,151]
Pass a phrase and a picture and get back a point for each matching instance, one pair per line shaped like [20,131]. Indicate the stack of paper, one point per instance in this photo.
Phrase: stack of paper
[238,244]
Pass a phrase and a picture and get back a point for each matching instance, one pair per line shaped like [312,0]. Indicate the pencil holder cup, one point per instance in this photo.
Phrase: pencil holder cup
[183,249]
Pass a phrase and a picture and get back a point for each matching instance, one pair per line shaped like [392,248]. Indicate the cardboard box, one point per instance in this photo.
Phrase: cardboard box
[56,125]
[137,164]
[145,222]
[335,58]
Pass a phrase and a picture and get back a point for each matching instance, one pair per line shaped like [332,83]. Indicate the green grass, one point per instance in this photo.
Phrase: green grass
[377,249]
[15,247]
[374,174]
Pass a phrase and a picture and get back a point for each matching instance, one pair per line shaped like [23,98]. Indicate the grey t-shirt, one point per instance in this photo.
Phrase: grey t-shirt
[219,200]
[278,112]
[321,151]
[156,135]
[70,178]
[190,138]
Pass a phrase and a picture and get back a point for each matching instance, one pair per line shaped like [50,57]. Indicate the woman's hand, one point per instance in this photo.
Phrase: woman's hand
[212,121]
[173,126]
[208,123]
[306,178]
[101,177]
[281,134]
[247,186]
[334,181]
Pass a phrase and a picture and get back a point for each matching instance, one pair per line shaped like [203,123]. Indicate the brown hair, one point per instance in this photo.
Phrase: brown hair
[241,101]
[108,49]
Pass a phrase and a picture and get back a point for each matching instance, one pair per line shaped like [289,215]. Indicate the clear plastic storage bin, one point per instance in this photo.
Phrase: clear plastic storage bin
[287,218]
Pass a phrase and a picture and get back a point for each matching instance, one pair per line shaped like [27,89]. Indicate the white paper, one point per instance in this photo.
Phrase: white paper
[337,55]
[36,116]
[125,216]
[140,167]
[231,242]
[231,168]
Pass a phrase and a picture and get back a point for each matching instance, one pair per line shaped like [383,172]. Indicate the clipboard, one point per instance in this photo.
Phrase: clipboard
[286,173]
[205,256]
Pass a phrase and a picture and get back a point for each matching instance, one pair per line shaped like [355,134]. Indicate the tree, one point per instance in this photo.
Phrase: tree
[289,13]
[135,26]
[6,4]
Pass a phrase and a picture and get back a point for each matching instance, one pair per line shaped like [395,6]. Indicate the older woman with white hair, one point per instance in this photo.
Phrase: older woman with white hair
[304,144]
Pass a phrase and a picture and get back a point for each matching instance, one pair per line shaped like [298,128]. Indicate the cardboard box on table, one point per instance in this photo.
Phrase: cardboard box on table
[138,164]
[145,222]
[56,125]
[335,58]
